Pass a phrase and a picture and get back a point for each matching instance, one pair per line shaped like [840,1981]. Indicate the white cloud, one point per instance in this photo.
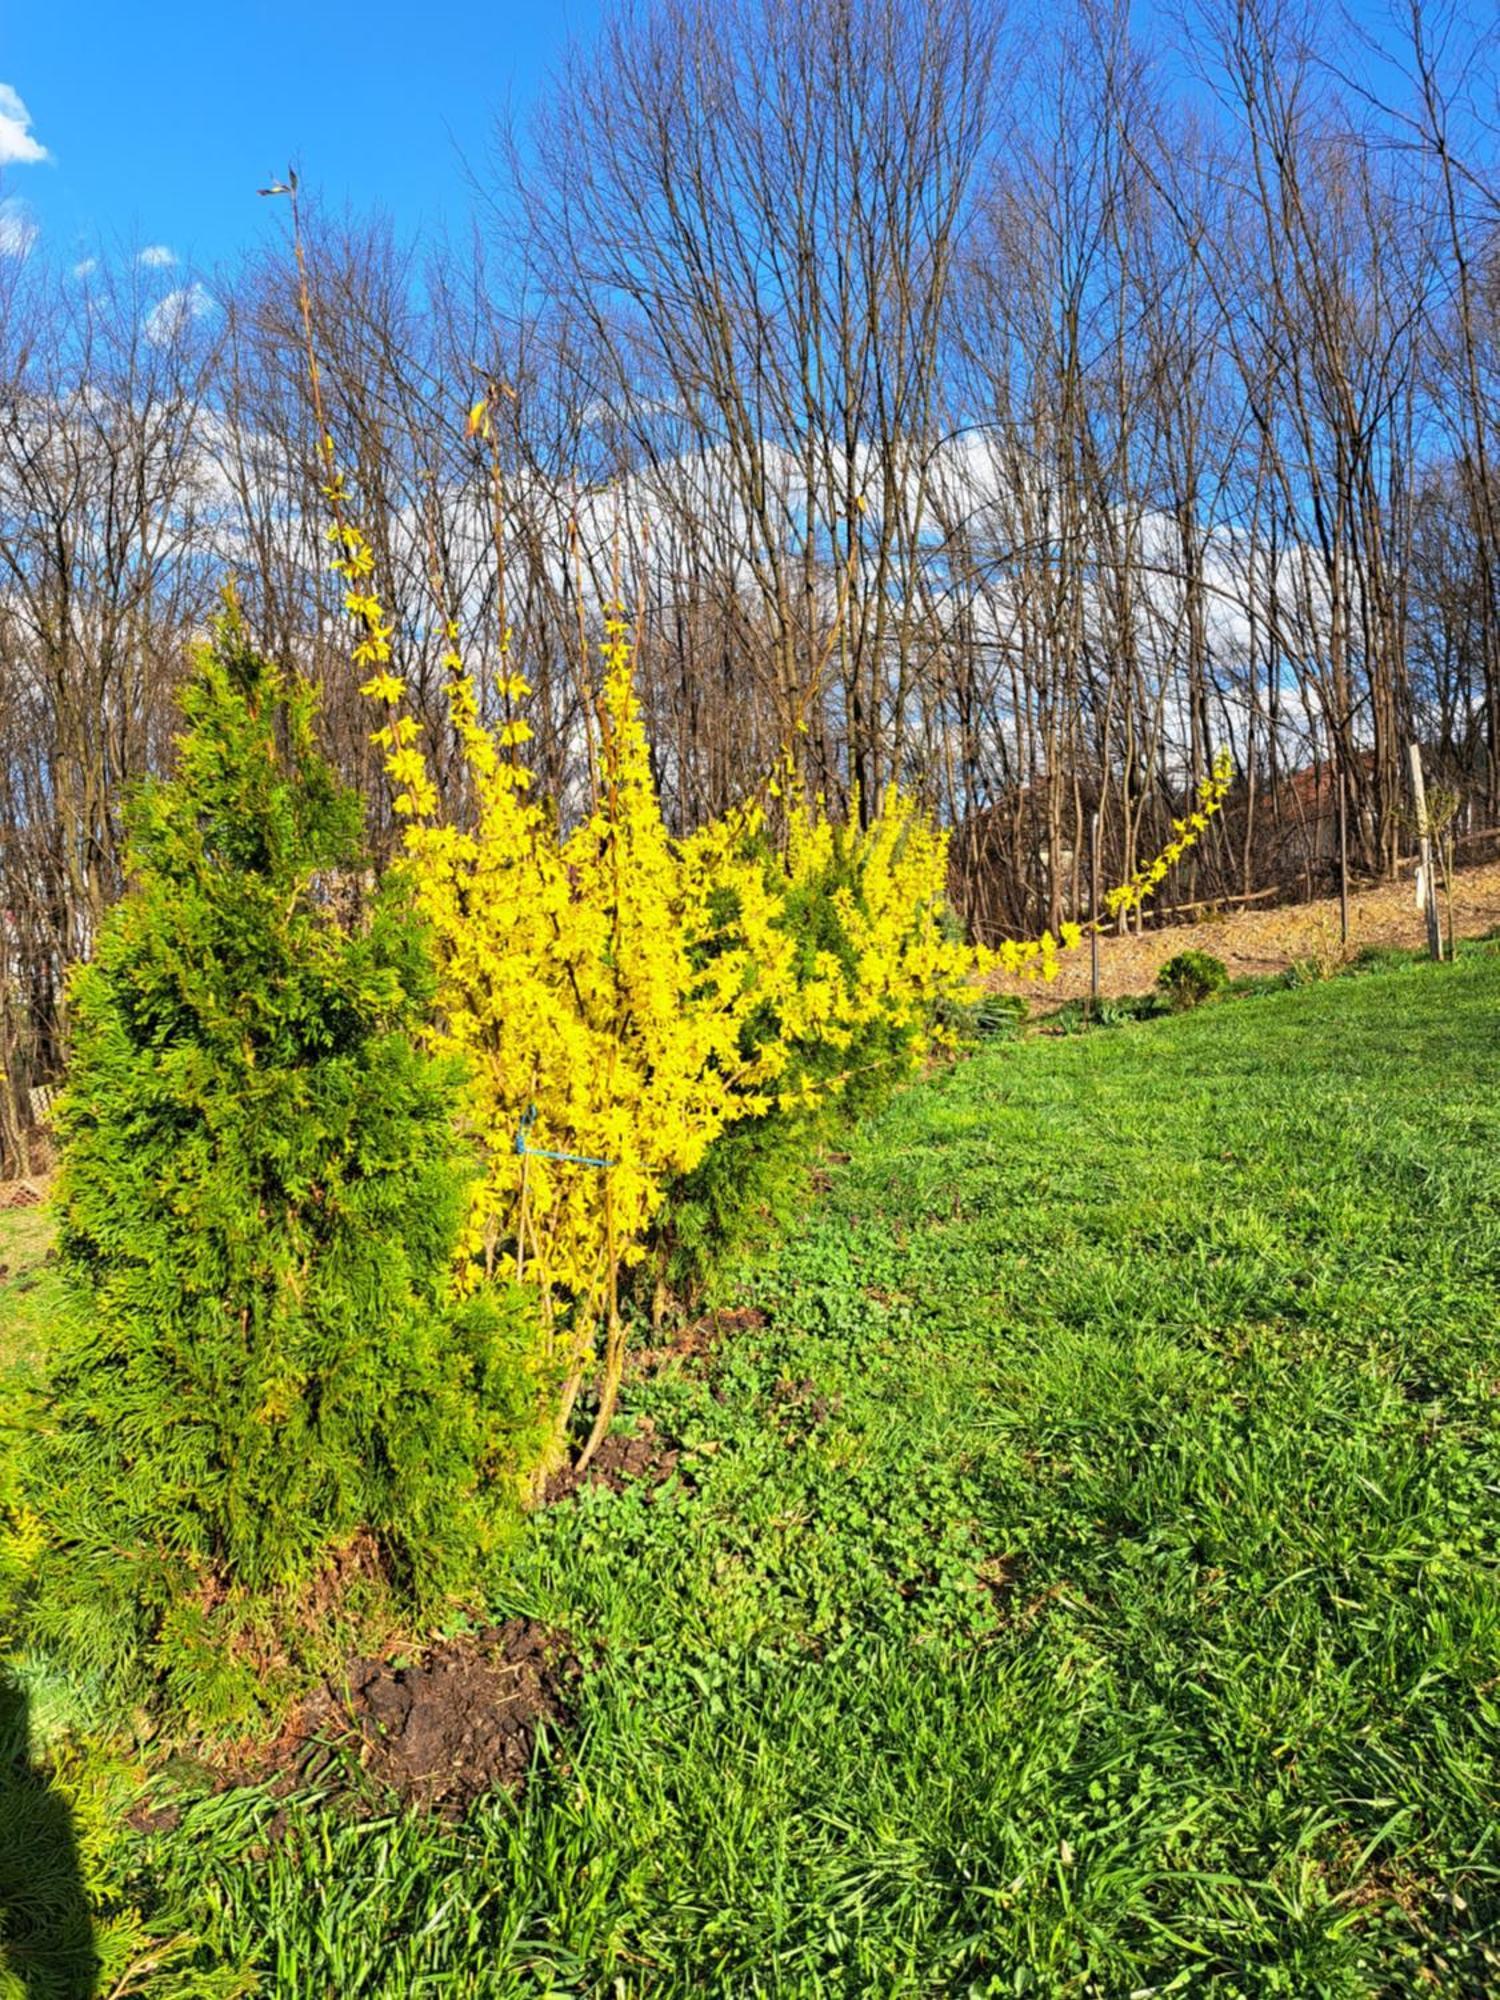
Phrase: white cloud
[17,146]
[18,231]
[156,257]
[170,319]
[85,267]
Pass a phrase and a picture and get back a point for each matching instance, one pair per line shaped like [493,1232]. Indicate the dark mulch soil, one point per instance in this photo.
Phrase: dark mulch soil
[458,1721]
[694,1341]
[455,1721]
[644,1456]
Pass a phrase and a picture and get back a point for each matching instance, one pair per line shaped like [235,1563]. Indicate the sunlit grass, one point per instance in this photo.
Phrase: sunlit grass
[29,1292]
[1084,1584]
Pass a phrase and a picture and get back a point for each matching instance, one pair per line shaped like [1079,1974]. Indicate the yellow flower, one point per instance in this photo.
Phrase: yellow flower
[384,687]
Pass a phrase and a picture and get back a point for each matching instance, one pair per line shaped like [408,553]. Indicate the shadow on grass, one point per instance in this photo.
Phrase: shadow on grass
[46,1934]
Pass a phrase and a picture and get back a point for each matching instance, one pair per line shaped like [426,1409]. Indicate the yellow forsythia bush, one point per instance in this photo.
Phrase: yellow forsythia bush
[603,985]
[621,1000]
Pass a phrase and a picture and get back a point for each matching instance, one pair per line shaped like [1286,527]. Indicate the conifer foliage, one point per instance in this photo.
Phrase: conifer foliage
[259,1208]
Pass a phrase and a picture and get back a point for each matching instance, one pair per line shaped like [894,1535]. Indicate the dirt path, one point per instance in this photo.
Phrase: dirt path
[1260,941]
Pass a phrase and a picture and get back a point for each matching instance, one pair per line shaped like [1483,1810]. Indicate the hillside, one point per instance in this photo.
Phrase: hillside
[1256,941]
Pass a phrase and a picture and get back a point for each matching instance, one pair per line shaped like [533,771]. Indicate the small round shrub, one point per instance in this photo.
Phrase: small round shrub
[1192,977]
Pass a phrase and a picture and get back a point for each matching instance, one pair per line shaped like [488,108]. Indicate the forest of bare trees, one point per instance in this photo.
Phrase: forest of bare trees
[1027,405]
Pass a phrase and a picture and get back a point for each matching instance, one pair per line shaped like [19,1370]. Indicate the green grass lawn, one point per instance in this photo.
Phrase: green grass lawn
[29,1288]
[1086,1581]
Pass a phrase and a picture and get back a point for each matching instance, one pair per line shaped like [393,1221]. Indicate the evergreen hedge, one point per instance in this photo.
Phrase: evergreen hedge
[266,1389]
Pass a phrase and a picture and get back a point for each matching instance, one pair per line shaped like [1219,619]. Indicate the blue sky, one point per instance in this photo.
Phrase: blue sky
[159,121]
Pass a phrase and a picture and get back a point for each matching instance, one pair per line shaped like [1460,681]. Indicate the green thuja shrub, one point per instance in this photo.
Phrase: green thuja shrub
[267,1408]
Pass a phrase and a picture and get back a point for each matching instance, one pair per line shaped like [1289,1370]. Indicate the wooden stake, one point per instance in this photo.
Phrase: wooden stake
[1343,851]
[1424,840]
[521,1218]
[1094,911]
[614,1343]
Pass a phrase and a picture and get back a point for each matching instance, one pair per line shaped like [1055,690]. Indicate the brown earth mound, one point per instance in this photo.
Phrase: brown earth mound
[620,1462]
[463,1720]
[459,1721]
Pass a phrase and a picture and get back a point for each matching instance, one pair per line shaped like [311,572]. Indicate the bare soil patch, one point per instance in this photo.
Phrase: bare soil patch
[1252,942]
[439,1732]
[694,1341]
[621,1461]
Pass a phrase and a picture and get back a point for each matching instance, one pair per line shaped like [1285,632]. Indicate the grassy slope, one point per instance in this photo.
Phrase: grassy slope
[29,1290]
[1090,1585]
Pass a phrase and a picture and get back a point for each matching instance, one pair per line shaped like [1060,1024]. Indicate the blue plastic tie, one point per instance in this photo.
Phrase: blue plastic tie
[523,1151]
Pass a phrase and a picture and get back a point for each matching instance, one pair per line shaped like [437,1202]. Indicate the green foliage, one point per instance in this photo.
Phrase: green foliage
[754,1179]
[263,1394]
[990,1017]
[1192,977]
[1085,1583]
[1252,985]
[1079,1017]
[742,1197]
[1127,1007]
[1001,1016]
[46,1928]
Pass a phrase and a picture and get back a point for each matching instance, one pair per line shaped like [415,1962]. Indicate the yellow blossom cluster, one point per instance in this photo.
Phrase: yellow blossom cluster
[1036,958]
[618,998]
[1212,792]
[905,960]
[866,982]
